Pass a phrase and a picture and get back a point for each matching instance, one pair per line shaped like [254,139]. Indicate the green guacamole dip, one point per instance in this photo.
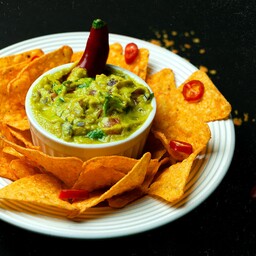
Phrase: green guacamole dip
[81,109]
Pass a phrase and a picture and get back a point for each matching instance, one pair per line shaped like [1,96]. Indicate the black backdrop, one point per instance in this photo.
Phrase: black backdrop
[224,224]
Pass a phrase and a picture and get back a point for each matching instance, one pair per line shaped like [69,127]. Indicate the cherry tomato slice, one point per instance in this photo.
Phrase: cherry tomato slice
[131,52]
[193,91]
[72,195]
[180,149]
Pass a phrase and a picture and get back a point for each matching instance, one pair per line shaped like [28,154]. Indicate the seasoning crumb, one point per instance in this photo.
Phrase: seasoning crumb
[202,51]
[203,68]
[246,117]
[213,72]
[196,40]
[156,42]
[187,46]
[168,43]
[237,121]
[175,51]
[174,33]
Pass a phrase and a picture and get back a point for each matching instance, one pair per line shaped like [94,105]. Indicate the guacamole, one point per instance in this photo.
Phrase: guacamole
[81,109]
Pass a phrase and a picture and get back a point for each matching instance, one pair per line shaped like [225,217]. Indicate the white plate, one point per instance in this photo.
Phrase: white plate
[146,213]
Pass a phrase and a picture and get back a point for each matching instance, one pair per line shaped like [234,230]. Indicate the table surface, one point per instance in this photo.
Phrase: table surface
[224,224]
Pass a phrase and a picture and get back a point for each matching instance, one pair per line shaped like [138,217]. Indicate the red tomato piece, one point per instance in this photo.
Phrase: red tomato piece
[180,149]
[72,195]
[193,91]
[131,52]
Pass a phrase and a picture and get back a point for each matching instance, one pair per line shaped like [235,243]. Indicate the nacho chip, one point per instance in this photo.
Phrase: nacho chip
[162,81]
[67,169]
[213,105]
[138,67]
[104,171]
[171,123]
[23,57]
[22,169]
[8,73]
[76,56]
[131,180]
[119,201]
[170,184]
[23,137]
[40,189]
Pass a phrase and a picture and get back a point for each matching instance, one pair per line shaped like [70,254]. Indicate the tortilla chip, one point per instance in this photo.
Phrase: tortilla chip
[5,170]
[76,56]
[120,201]
[171,182]
[154,146]
[138,67]
[24,137]
[23,57]
[67,169]
[104,171]
[171,123]
[131,180]
[22,169]
[213,105]
[8,73]
[40,189]
[162,81]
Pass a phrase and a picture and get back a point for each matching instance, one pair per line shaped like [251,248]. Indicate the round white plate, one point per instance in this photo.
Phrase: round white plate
[146,213]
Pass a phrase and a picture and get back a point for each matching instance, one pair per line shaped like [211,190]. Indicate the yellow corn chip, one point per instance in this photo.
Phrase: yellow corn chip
[127,197]
[138,67]
[171,182]
[162,81]
[213,105]
[22,169]
[20,57]
[40,189]
[131,180]
[67,169]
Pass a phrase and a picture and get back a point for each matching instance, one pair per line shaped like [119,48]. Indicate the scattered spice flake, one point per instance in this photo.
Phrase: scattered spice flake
[183,43]
[203,68]
[196,40]
[246,117]
[168,43]
[237,121]
[213,72]
[202,51]
[187,46]
[156,42]
[175,51]
[174,33]
[240,120]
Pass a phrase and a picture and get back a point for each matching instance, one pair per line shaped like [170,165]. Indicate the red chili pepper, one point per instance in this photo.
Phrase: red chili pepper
[72,195]
[96,51]
[131,51]
[180,149]
[193,91]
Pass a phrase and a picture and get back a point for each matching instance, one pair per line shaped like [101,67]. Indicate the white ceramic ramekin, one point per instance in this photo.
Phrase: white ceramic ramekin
[52,145]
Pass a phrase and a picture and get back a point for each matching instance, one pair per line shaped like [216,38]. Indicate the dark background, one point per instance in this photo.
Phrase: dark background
[225,224]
